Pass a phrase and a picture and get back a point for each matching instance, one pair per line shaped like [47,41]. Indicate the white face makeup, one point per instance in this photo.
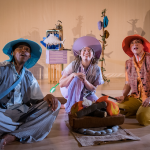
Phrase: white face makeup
[136,47]
[86,54]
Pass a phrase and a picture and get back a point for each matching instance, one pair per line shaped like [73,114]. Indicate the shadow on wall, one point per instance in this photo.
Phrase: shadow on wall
[146,26]
[37,69]
[92,35]
[108,54]
[33,34]
[77,29]
[134,28]
[72,57]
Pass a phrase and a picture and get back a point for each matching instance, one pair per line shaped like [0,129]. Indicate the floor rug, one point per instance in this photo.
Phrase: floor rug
[86,140]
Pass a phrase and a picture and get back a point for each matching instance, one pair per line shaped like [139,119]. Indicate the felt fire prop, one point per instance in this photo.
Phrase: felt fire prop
[112,107]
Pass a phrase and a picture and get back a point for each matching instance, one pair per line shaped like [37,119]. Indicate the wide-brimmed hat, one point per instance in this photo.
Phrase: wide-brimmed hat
[100,25]
[87,41]
[36,51]
[105,21]
[126,44]
[106,33]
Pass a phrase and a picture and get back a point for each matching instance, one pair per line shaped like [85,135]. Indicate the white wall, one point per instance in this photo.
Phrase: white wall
[31,18]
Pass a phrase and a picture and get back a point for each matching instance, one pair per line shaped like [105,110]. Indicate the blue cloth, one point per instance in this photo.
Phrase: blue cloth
[9,89]
[105,21]
[15,101]
[36,127]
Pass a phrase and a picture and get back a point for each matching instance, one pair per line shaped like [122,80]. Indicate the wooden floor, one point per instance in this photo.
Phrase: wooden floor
[61,139]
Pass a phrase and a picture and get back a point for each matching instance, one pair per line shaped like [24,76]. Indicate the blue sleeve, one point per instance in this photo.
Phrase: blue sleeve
[0,76]
[2,64]
[99,80]
[36,92]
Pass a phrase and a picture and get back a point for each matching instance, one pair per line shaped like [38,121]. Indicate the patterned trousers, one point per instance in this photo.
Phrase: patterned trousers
[36,127]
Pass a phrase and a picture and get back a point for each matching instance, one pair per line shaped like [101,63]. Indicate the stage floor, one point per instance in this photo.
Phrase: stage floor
[61,139]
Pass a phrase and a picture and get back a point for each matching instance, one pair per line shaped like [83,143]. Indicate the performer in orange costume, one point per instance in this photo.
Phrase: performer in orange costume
[137,71]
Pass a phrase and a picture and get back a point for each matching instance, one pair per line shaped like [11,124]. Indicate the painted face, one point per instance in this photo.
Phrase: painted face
[22,53]
[86,53]
[136,46]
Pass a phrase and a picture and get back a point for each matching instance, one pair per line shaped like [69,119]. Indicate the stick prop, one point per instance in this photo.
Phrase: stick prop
[113,99]
[109,97]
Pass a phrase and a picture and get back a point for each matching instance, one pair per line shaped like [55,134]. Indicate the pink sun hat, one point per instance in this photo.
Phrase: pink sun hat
[87,41]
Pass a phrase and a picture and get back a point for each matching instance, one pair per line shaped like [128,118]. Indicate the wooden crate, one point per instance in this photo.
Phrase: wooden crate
[54,73]
[55,59]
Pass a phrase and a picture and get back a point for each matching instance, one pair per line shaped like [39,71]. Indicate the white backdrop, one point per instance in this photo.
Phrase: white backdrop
[31,18]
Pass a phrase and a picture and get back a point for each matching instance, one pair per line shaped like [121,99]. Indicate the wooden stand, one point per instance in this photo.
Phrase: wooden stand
[54,73]
[55,61]
[55,56]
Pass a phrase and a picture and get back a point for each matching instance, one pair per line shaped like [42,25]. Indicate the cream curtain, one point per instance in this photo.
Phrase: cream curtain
[31,18]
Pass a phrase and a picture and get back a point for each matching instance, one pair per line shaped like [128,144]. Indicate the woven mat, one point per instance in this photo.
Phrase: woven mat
[86,140]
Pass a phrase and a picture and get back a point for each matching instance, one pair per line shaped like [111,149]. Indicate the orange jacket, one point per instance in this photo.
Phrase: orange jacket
[138,76]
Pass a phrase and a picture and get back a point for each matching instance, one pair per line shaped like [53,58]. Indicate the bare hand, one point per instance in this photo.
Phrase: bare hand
[52,101]
[120,99]
[146,103]
[81,76]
